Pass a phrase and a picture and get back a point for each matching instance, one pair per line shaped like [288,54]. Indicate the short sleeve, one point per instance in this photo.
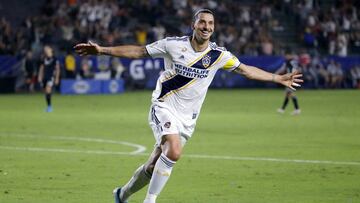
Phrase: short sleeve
[157,49]
[230,61]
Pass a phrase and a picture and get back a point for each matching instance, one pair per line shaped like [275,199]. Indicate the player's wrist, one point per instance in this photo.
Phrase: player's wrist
[275,78]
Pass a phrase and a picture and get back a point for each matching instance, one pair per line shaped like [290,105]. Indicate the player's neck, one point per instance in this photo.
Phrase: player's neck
[199,45]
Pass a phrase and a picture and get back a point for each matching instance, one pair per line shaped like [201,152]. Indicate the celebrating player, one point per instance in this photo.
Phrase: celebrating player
[190,65]
[49,73]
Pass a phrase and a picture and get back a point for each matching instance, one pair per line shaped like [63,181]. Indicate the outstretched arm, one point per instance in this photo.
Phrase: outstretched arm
[57,74]
[41,73]
[125,51]
[290,80]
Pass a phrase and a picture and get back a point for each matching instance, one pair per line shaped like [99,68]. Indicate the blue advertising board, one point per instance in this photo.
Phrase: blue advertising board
[91,86]
[143,73]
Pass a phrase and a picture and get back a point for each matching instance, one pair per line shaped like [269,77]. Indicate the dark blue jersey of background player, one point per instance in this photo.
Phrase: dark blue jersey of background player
[49,74]
[290,64]
[50,64]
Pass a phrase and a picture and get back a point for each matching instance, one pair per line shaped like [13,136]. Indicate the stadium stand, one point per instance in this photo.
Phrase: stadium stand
[251,28]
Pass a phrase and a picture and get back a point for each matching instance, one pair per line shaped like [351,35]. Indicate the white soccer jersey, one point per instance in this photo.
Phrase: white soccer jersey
[182,86]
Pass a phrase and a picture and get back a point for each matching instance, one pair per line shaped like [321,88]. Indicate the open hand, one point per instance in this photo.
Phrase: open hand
[291,80]
[89,48]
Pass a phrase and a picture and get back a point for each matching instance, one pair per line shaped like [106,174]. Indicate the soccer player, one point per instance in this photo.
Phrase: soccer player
[49,73]
[290,65]
[190,65]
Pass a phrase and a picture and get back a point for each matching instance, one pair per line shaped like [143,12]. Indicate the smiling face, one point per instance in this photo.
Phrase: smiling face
[203,27]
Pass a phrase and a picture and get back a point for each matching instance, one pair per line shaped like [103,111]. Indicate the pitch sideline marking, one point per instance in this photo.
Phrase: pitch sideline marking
[141,149]
[186,155]
[274,159]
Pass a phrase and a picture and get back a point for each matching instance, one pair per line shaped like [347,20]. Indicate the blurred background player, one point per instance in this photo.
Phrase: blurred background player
[30,69]
[291,64]
[49,73]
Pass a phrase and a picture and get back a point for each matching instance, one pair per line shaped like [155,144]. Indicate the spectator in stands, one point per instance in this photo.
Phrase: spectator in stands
[70,66]
[30,71]
[336,74]
[309,38]
[355,76]
[141,35]
[86,68]
[322,76]
[6,37]
[267,46]
[116,68]
[312,75]
[159,31]
[342,45]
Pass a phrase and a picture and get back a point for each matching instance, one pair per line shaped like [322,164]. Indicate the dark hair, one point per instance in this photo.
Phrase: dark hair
[203,10]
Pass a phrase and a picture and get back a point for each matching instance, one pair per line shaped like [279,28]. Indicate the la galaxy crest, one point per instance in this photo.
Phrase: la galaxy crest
[206,61]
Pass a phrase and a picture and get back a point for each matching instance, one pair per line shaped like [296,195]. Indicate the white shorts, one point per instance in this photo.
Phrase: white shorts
[163,122]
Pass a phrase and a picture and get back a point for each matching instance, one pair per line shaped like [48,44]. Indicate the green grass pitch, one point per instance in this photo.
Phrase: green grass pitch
[235,123]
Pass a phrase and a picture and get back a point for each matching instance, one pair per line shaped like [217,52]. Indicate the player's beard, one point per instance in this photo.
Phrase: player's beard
[202,39]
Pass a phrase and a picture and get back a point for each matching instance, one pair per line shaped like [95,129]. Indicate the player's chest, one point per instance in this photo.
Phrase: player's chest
[184,55]
[49,61]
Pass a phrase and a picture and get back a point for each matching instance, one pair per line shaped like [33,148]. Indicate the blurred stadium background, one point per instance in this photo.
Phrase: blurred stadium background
[313,157]
[325,34]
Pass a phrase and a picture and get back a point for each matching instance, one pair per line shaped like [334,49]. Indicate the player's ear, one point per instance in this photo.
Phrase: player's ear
[193,25]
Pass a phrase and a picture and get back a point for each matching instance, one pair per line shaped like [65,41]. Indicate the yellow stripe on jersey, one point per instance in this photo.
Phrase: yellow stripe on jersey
[197,59]
[231,63]
[168,78]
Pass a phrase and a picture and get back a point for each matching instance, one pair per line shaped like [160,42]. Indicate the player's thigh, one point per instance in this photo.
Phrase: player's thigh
[289,92]
[48,89]
[163,123]
[47,84]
